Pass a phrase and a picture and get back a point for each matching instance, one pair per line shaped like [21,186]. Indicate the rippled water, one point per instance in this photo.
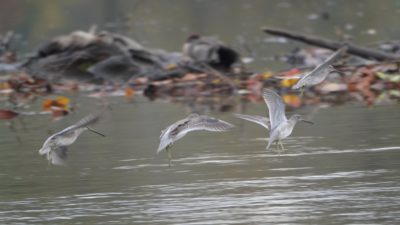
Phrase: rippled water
[345,169]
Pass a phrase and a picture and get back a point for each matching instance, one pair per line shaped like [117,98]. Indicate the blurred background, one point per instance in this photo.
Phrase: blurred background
[166,24]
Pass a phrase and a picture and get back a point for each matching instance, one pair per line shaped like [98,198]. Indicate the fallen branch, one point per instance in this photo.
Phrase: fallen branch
[333,45]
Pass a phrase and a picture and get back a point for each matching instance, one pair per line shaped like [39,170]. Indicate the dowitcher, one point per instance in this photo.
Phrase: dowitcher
[55,147]
[319,73]
[193,122]
[279,126]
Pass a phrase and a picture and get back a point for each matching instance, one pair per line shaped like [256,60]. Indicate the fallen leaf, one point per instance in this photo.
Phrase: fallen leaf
[129,92]
[6,114]
[59,102]
[389,77]
[288,82]
[292,100]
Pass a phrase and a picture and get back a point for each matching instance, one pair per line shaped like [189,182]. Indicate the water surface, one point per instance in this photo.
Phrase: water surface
[342,170]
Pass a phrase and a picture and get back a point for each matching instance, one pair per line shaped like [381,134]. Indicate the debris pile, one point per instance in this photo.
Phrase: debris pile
[109,64]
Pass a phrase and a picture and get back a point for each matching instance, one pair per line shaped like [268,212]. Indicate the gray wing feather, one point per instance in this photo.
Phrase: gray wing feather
[207,123]
[263,121]
[169,134]
[276,107]
[332,58]
[84,122]
[58,155]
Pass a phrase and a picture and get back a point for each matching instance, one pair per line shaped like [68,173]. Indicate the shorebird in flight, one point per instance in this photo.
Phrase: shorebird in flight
[278,125]
[55,147]
[319,73]
[193,122]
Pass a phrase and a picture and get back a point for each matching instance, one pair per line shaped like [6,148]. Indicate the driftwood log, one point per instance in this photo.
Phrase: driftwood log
[357,50]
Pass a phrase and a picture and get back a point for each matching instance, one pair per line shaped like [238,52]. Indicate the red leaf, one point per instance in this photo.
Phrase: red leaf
[6,114]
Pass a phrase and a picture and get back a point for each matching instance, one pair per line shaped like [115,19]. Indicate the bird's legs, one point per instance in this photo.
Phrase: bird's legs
[281,144]
[278,147]
[48,158]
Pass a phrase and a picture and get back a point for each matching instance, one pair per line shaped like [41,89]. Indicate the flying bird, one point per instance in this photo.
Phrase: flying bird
[319,73]
[278,125]
[55,147]
[193,122]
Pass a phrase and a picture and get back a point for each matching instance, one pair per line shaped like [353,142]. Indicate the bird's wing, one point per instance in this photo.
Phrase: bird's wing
[332,58]
[207,123]
[276,107]
[84,122]
[58,155]
[296,76]
[191,123]
[263,121]
[174,128]
[47,145]
[166,137]
[164,142]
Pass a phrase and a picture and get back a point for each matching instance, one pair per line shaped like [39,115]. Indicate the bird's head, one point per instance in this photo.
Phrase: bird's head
[298,117]
[332,69]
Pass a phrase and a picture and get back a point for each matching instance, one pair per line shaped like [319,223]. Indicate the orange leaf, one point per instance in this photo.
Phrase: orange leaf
[46,104]
[60,102]
[129,93]
[292,72]
[288,82]
[292,100]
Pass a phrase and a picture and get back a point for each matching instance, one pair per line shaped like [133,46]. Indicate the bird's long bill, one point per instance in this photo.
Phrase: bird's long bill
[306,121]
[339,72]
[96,132]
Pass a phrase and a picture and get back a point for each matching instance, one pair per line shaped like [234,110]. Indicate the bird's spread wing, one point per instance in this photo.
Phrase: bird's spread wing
[207,123]
[191,123]
[58,155]
[332,58]
[84,122]
[263,121]
[276,107]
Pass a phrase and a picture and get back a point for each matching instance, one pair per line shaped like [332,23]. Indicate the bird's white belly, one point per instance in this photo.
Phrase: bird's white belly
[318,79]
[285,131]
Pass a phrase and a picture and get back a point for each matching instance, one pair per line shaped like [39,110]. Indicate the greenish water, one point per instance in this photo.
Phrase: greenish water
[342,170]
